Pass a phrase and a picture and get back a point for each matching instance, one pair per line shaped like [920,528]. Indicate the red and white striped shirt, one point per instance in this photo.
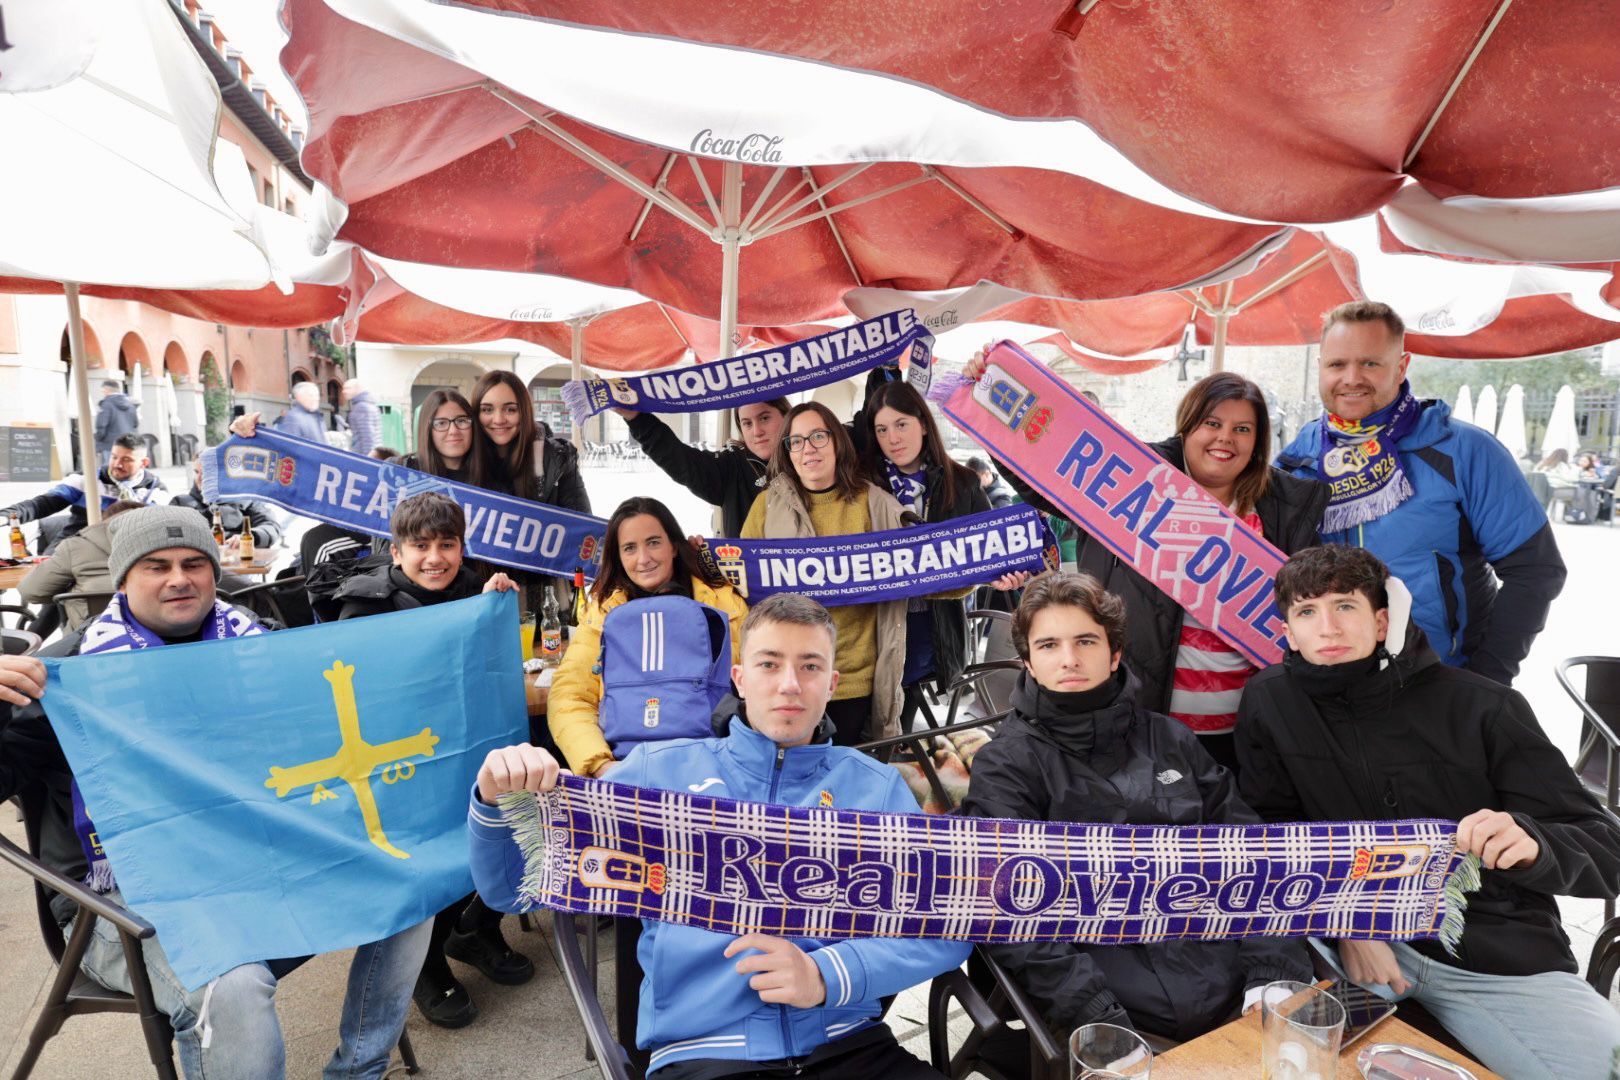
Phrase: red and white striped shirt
[1209,675]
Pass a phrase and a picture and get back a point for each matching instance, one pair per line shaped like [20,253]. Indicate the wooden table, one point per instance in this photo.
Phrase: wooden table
[537,696]
[11,576]
[1233,1052]
[255,569]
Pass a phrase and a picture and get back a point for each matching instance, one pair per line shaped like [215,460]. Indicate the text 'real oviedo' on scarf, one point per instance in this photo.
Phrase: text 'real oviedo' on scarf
[770,373]
[117,630]
[1361,465]
[1146,511]
[898,564]
[595,847]
[359,493]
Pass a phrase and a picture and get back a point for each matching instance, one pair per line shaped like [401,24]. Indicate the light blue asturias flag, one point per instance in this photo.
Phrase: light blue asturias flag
[297,792]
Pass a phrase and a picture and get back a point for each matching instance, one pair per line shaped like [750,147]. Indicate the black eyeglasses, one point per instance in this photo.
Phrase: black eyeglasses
[817,438]
[460,423]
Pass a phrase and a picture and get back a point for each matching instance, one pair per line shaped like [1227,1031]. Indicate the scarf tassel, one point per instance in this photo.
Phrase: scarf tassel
[578,399]
[100,879]
[1462,881]
[1343,516]
[521,809]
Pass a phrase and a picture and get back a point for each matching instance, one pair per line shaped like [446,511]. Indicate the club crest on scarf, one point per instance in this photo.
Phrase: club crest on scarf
[595,847]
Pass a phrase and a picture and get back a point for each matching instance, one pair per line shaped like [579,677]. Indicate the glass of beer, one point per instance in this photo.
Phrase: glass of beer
[1301,1027]
[526,634]
[1108,1052]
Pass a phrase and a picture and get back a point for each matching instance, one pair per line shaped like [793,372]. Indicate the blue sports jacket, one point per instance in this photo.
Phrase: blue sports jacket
[1470,521]
[694,1004]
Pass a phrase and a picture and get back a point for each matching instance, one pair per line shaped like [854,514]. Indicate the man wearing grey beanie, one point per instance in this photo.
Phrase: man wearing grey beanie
[165,565]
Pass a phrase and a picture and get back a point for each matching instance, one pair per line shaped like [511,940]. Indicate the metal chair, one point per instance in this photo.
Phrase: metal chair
[24,615]
[1605,961]
[72,992]
[995,1048]
[18,642]
[616,1060]
[1597,762]
[94,604]
[914,745]
[274,599]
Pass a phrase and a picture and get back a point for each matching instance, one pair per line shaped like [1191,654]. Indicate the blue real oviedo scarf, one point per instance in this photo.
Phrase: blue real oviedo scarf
[117,630]
[595,847]
[1359,461]
[767,374]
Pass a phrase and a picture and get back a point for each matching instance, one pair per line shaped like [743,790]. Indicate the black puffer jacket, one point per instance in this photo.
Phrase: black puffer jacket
[1099,756]
[1418,739]
[1290,512]
[386,588]
[731,478]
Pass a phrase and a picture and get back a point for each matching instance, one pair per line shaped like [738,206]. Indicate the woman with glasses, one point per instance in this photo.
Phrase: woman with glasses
[904,453]
[446,437]
[817,489]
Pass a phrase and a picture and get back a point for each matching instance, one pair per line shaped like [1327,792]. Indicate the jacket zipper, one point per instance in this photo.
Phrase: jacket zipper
[1366,766]
[787,1030]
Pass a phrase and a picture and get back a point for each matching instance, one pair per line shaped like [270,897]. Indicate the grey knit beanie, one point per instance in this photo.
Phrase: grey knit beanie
[138,533]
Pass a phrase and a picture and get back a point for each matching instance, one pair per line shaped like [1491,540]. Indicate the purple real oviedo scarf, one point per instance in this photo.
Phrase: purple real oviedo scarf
[1359,461]
[117,630]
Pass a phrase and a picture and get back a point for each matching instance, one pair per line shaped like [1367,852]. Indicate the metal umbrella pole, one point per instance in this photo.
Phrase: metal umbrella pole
[576,369]
[81,393]
[730,236]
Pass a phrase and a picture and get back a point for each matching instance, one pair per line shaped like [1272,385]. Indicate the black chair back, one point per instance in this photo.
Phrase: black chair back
[18,642]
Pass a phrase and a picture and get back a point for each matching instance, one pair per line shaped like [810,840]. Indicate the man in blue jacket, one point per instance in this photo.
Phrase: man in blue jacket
[713,1005]
[1441,502]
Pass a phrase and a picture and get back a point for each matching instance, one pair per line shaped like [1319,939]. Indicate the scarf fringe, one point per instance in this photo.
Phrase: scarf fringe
[1348,515]
[578,400]
[522,813]
[944,385]
[1462,881]
[100,879]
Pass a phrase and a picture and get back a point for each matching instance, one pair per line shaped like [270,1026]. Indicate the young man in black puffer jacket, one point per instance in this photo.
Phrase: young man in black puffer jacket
[1363,722]
[427,569]
[1078,747]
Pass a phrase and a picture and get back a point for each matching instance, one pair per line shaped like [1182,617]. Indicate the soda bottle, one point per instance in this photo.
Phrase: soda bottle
[246,547]
[219,530]
[550,631]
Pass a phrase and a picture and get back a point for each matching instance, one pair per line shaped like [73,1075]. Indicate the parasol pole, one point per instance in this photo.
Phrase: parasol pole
[81,394]
[1222,314]
[576,369]
[730,264]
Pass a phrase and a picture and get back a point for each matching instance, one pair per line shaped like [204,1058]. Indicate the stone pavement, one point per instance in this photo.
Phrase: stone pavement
[532,1032]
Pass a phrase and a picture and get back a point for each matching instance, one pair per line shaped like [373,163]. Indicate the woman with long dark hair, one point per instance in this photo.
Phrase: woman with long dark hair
[905,454]
[447,437]
[818,488]
[1223,443]
[514,456]
[643,554]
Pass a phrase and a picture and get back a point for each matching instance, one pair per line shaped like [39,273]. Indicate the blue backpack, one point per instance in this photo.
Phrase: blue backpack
[665,665]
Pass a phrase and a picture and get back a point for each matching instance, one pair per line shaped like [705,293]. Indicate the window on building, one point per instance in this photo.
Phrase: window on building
[269,195]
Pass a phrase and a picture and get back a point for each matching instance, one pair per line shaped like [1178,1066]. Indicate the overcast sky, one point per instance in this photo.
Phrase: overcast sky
[252,26]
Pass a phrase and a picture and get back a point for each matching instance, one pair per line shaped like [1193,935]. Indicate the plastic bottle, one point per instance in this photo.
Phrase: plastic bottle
[550,631]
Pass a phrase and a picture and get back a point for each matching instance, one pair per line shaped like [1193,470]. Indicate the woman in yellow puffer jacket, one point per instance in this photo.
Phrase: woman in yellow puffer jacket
[643,554]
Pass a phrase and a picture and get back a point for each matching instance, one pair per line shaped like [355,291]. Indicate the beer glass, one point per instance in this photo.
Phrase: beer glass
[1301,1027]
[1108,1052]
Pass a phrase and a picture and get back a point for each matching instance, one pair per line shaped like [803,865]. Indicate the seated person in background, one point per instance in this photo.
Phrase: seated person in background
[710,1003]
[165,564]
[1078,747]
[125,477]
[1362,721]
[232,515]
[79,564]
[995,488]
[427,569]
[730,478]
[643,554]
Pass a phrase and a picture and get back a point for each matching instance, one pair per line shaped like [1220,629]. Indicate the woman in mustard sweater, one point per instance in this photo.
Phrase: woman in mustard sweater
[643,554]
[817,488]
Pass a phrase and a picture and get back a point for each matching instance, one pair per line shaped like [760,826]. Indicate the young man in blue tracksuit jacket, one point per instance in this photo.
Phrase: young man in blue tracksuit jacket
[1470,521]
[713,1005]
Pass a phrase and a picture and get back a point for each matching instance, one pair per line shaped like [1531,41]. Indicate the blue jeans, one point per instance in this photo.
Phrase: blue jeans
[1551,1026]
[227,1030]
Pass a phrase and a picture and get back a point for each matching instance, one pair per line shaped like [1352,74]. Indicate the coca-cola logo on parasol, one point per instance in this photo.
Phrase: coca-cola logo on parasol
[1436,320]
[755,149]
[534,313]
[948,317]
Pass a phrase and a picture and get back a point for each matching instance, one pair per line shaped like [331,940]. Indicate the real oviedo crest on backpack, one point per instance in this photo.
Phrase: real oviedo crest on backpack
[665,665]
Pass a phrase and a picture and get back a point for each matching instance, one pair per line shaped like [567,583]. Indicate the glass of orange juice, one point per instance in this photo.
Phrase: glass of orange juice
[526,634]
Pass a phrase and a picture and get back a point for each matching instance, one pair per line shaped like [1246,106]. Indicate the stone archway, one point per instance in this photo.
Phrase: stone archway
[132,352]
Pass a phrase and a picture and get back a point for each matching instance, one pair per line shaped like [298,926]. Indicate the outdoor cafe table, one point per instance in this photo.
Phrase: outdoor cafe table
[11,576]
[1232,1052]
[256,569]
